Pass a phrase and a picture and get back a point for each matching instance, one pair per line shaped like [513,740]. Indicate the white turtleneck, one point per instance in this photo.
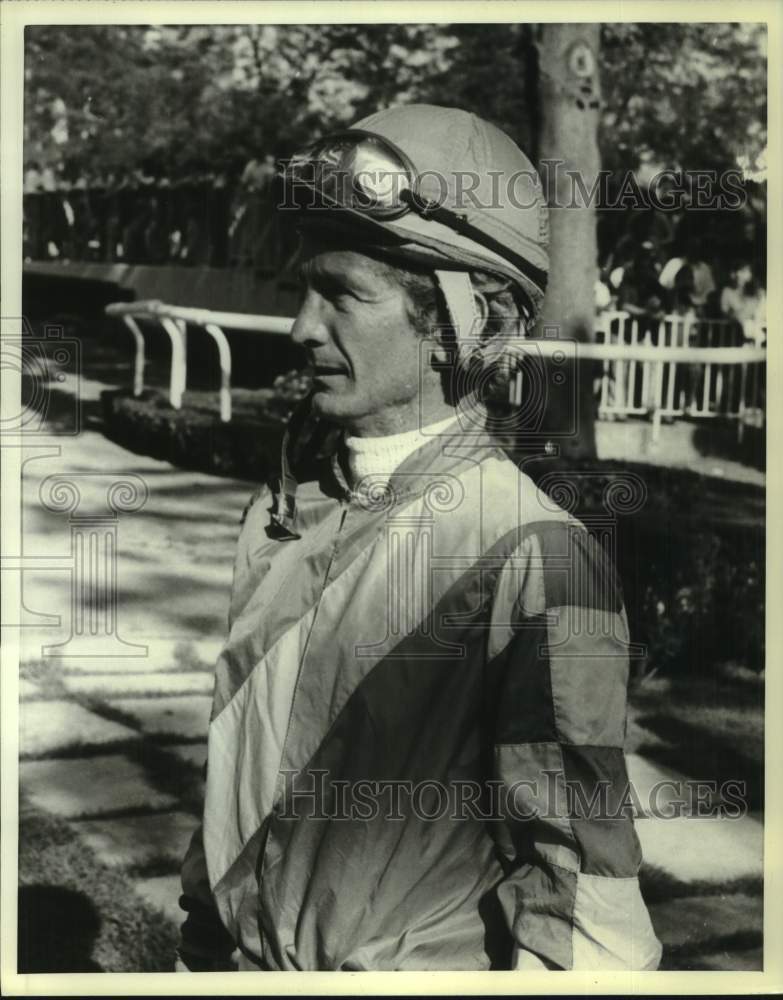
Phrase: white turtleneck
[380,456]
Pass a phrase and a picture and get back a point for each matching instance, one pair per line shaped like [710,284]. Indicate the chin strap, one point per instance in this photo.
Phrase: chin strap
[501,356]
[464,315]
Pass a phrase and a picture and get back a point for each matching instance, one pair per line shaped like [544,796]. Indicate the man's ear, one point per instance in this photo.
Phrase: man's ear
[442,350]
[441,344]
[482,313]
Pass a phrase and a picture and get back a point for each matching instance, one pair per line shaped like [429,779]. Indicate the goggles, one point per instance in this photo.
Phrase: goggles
[367,175]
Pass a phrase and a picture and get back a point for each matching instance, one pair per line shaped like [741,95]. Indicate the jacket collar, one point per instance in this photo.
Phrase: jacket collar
[462,442]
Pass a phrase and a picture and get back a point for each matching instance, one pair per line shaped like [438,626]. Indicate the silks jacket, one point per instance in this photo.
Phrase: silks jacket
[416,743]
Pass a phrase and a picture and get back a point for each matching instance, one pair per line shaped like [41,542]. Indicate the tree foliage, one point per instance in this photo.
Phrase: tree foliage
[105,99]
[689,96]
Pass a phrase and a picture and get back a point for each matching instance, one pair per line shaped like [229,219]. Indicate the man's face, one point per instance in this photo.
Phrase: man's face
[355,325]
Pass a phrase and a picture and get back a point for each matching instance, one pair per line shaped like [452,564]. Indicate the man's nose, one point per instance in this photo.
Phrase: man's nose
[310,328]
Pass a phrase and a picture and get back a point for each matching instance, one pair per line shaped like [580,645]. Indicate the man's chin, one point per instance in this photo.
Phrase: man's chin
[332,406]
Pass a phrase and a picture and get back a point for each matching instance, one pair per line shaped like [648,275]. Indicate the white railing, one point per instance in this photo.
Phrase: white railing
[175,320]
[657,368]
[680,365]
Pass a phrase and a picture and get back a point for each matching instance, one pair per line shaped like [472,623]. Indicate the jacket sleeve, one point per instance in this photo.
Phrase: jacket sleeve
[205,944]
[558,659]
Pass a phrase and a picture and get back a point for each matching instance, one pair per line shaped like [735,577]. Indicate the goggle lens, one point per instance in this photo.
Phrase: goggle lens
[377,175]
[354,171]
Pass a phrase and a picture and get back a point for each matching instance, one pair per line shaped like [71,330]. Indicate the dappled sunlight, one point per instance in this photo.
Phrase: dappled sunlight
[174,554]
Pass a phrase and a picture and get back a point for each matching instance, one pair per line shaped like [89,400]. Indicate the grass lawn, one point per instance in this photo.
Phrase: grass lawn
[710,728]
[77,915]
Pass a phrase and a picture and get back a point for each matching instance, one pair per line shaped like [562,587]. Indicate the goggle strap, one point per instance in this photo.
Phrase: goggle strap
[460,301]
[459,222]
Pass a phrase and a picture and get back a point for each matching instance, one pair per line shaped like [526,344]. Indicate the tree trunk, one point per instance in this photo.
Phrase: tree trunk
[569,161]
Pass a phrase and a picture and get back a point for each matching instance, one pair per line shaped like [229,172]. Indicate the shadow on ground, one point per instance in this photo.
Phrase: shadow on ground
[710,727]
[724,444]
[57,930]
[708,757]
[78,915]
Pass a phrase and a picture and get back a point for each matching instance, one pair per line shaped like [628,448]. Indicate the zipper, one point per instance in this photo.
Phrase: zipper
[344,504]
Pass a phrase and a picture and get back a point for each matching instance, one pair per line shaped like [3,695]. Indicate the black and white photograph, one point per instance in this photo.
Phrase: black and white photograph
[384,481]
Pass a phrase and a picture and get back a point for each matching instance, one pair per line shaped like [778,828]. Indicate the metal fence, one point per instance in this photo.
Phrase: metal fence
[678,374]
[651,368]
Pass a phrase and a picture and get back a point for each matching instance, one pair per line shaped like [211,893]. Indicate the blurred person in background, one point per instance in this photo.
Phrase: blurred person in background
[639,291]
[688,278]
[253,214]
[32,208]
[742,299]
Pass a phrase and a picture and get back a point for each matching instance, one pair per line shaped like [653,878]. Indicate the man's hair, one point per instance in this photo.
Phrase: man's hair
[428,308]
[492,366]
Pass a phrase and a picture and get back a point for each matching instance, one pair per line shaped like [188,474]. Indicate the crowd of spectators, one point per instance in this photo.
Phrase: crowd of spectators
[200,218]
[651,282]
[686,290]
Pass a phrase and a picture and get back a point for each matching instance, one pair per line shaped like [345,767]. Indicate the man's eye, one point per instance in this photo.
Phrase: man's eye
[335,291]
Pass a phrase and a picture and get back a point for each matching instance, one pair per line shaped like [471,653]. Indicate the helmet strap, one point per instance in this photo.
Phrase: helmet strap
[467,308]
